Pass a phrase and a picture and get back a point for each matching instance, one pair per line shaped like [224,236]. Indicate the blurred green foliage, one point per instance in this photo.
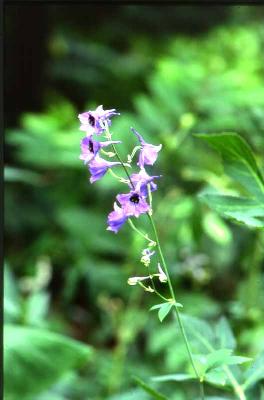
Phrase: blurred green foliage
[66,275]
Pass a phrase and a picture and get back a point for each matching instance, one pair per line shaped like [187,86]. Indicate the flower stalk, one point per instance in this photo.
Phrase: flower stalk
[137,201]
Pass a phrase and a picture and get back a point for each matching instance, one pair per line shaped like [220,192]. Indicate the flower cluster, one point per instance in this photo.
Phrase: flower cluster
[135,201]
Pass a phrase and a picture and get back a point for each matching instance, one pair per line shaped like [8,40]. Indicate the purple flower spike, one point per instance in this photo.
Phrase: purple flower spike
[116,219]
[93,121]
[141,180]
[133,203]
[148,153]
[91,147]
[98,167]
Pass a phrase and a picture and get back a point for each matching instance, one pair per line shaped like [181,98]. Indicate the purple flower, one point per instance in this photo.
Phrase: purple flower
[116,219]
[91,147]
[133,203]
[148,153]
[141,181]
[98,167]
[93,121]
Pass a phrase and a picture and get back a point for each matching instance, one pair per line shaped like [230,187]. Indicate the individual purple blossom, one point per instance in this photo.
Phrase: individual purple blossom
[91,147]
[148,153]
[93,121]
[116,219]
[141,181]
[133,203]
[98,167]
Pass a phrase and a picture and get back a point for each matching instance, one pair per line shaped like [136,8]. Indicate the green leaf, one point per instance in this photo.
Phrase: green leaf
[173,377]
[217,358]
[244,210]
[156,395]
[164,310]
[225,335]
[158,306]
[199,332]
[35,359]
[239,161]
[255,373]
[216,377]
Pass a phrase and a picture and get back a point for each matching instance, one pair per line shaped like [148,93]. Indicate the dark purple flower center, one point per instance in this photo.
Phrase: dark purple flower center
[91,120]
[90,146]
[134,198]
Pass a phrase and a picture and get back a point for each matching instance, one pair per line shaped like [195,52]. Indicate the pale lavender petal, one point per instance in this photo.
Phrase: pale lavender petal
[98,168]
[116,219]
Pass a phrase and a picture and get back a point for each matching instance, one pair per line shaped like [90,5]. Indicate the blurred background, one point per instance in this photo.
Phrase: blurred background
[171,71]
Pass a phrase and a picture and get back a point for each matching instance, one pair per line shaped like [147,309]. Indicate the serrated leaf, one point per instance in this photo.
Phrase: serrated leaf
[239,161]
[244,210]
[255,372]
[35,359]
[154,394]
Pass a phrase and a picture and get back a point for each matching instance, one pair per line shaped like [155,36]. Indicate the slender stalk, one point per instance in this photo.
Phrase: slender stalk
[109,137]
[182,330]
[164,265]
[145,236]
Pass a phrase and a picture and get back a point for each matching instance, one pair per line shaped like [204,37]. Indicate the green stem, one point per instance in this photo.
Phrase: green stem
[145,236]
[164,265]
[168,277]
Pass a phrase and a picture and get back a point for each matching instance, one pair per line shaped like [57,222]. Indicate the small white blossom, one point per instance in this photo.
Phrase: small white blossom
[136,279]
[162,275]
[146,254]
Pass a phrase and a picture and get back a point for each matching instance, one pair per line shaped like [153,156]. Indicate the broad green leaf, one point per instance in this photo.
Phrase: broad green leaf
[154,394]
[217,358]
[173,377]
[35,359]
[247,211]
[225,335]
[255,373]
[199,333]
[239,161]
[235,360]
[164,311]
[216,377]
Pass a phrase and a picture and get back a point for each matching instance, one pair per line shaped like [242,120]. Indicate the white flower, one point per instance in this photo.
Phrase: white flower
[162,276]
[136,279]
[146,254]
